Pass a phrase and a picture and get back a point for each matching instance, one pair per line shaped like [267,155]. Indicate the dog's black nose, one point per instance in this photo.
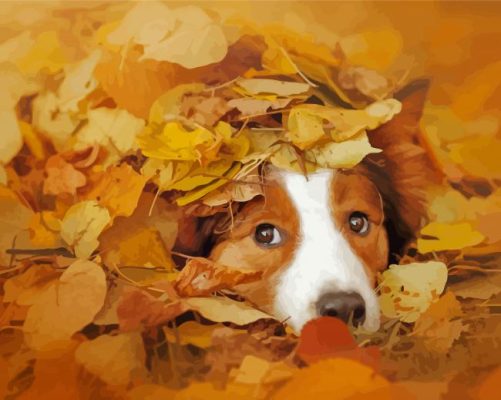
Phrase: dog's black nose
[347,306]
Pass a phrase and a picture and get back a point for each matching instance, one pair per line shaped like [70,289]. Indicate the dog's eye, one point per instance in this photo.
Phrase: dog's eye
[359,223]
[267,235]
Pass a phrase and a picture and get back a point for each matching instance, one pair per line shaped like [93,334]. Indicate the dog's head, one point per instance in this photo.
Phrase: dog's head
[321,240]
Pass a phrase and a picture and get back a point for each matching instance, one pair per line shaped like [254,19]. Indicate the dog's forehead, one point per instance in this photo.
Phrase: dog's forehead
[308,191]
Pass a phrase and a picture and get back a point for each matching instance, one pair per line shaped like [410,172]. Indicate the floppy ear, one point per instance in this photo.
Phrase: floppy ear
[403,170]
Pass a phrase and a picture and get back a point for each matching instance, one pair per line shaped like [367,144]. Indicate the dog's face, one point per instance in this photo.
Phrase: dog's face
[319,241]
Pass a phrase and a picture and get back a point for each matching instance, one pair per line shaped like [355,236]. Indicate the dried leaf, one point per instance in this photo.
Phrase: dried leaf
[272,86]
[448,237]
[66,306]
[118,190]
[439,325]
[196,41]
[12,139]
[62,177]
[81,226]
[408,290]
[117,360]
[336,378]
[14,218]
[201,277]
[222,309]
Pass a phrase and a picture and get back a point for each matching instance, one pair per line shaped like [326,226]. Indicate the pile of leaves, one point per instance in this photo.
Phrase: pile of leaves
[115,129]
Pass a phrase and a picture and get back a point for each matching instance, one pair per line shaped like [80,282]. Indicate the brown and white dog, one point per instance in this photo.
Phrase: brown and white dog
[320,240]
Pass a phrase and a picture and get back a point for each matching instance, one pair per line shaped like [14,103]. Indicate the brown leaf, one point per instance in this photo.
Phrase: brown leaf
[138,309]
[62,177]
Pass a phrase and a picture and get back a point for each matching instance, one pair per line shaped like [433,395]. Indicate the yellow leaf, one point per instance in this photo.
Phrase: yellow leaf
[233,148]
[66,306]
[12,139]
[478,156]
[448,237]
[223,309]
[117,360]
[47,119]
[196,41]
[14,218]
[112,128]
[145,23]
[272,86]
[81,226]
[165,173]
[118,190]
[32,140]
[168,105]
[201,192]
[200,176]
[306,122]
[408,290]
[174,142]
[345,154]
[78,82]
[45,53]
[44,230]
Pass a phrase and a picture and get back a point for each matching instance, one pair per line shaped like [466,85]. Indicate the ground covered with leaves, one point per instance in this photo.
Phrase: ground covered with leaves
[120,119]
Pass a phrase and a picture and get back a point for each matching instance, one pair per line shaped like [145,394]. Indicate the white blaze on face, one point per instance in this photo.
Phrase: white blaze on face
[324,262]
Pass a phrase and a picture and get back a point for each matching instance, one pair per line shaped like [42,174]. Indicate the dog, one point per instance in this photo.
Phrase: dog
[321,239]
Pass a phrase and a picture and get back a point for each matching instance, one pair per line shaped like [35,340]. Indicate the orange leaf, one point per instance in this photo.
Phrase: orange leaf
[201,277]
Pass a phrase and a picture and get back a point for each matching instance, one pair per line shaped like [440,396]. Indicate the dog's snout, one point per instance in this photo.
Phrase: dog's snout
[347,306]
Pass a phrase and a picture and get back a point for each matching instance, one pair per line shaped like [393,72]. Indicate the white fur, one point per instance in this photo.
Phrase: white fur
[324,261]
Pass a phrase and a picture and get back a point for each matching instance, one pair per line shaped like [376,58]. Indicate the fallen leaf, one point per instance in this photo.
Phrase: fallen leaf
[306,122]
[114,129]
[448,237]
[336,379]
[222,309]
[367,81]
[272,86]
[488,387]
[345,154]
[137,310]
[196,41]
[118,190]
[65,306]
[406,291]
[62,177]
[192,333]
[117,360]
[14,218]
[78,82]
[439,325]
[44,230]
[12,139]
[26,287]
[200,277]
[81,226]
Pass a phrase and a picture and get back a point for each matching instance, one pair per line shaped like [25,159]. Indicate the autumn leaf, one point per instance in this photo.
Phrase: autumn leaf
[440,325]
[137,309]
[336,378]
[196,41]
[114,129]
[201,277]
[272,86]
[62,177]
[14,218]
[114,359]
[81,226]
[408,290]
[65,306]
[118,190]
[222,309]
[439,236]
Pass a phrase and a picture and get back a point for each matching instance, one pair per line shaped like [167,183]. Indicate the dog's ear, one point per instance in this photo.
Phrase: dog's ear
[404,169]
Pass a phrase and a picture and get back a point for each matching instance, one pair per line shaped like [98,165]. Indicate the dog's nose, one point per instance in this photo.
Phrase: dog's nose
[347,306]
